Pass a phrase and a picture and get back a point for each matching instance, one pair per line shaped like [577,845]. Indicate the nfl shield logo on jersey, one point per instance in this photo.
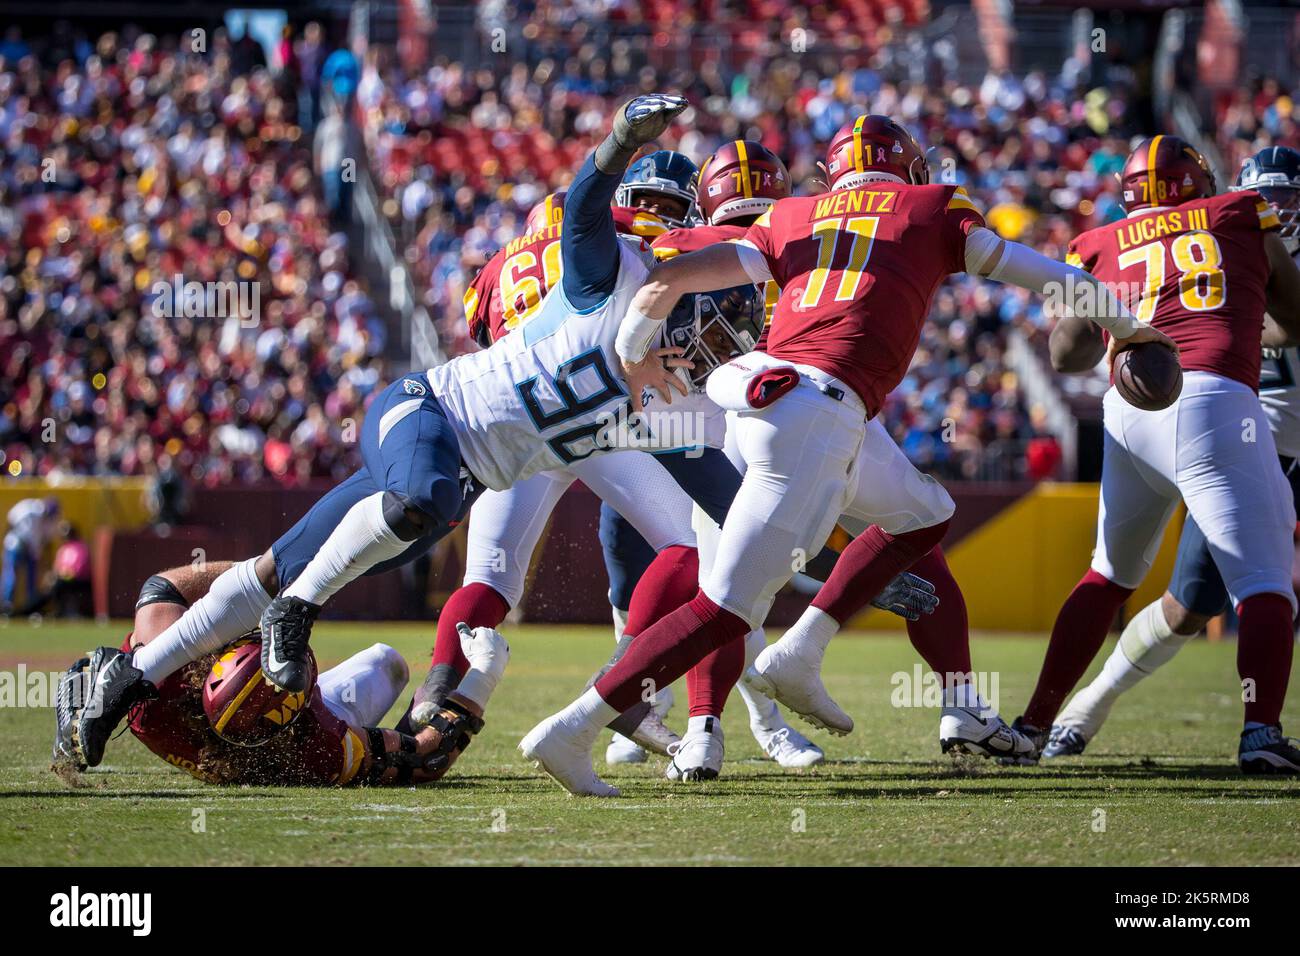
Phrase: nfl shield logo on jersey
[413,387]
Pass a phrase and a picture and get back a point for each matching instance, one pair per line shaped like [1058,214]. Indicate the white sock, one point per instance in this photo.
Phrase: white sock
[587,715]
[1146,644]
[362,540]
[814,627]
[762,709]
[700,725]
[232,607]
[966,695]
[365,686]
[620,623]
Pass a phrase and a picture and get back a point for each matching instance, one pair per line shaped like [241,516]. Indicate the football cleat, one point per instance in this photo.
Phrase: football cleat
[787,746]
[623,750]
[67,698]
[785,674]
[1064,741]
[1264,750]
[286,629]
[698,755]
[1037,737]
[652,733]
[968,725]
[113,686]
[565,757]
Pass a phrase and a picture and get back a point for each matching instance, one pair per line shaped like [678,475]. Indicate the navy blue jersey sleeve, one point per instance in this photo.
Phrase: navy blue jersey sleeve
[588,241]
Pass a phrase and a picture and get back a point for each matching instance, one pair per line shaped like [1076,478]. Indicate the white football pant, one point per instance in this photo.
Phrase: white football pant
[1213,449]
[809,459]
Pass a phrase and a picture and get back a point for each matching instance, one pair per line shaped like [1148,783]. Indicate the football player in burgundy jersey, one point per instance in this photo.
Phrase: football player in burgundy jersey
[1197,591]
[857,268]
[511,285]
[334,740]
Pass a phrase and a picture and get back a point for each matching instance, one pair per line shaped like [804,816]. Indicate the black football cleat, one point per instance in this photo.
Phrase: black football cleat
[1265,750]
[113,685]
[68,698]
[286,630]
[1037,736]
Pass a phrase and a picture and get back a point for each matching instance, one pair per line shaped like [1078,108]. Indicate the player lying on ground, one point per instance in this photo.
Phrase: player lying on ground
[327,736]
[857,268]
[1203,267]
[1197,591]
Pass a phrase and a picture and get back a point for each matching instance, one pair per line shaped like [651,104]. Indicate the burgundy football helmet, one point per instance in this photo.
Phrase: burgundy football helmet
[741,180]
[1164,171]
[548,212]
[871,145]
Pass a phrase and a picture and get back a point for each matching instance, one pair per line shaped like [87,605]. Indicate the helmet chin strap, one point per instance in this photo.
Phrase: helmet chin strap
[854,180]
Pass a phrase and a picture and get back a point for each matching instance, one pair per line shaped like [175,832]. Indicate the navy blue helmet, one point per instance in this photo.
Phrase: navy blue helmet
[1274,172]
[663,173]
[715,327]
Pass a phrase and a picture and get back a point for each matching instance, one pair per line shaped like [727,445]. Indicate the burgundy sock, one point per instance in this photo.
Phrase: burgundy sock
[478,606]
[942,638]
[871,561]
[670,580]
[710,681]
[668,649]
[1079,631]
[1264,646]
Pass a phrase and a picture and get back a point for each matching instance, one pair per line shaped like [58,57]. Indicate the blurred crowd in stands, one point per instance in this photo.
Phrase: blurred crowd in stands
[129,167]
[125,162]
[461,154]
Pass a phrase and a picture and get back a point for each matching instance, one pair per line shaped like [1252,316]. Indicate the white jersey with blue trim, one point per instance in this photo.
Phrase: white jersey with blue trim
[551,392]
[1279,393]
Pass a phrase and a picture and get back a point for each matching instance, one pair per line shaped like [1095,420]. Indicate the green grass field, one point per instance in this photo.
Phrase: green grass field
[1161,779]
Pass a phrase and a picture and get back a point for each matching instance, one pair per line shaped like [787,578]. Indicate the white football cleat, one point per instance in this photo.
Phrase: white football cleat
[969,725]
[787,746]
[566,757]
[623,750]
[699,754]
[790,672]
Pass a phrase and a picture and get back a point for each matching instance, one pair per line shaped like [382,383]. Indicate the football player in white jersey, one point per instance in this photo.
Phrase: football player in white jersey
[1196,590]
[549,396]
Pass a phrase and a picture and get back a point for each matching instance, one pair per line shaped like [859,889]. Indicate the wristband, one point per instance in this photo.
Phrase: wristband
[635,333]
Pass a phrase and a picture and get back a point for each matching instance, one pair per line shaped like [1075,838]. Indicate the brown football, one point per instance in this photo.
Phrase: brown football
[1148,376]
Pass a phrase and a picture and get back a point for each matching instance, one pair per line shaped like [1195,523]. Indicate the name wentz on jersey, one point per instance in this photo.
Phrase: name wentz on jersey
[551,392]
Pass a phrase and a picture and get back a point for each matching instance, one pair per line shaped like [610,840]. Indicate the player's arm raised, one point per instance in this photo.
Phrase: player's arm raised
[1075,344]
[1282,324]
[717,267]
[991,256]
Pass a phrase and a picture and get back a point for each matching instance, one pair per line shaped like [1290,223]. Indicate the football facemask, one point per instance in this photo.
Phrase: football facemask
[715,327]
